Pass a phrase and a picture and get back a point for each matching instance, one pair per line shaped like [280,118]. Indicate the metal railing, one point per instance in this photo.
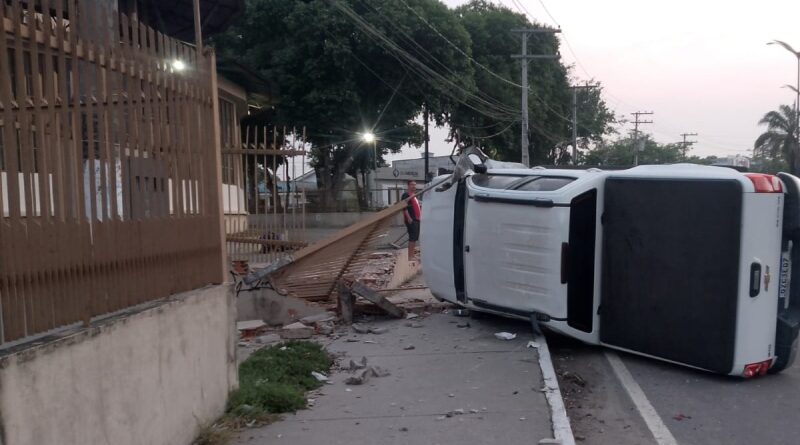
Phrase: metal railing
[109,183]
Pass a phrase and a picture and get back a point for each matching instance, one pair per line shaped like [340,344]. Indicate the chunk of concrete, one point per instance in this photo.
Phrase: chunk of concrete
[268,339]
[361,329]
[250,325]
[318,318]
[297,331]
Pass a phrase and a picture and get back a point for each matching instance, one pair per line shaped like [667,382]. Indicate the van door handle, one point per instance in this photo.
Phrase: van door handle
[755,279]
[466,248]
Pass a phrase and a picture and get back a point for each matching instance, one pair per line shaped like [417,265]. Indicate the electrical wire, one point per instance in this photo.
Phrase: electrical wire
[492,73]
[482,106]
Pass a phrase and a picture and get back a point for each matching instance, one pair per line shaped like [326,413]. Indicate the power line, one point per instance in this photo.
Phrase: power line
[459,49]
[423,70]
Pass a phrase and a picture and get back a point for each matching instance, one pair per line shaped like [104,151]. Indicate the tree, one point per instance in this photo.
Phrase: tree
[619,153]
[338,79]
[497,77]
[779,142]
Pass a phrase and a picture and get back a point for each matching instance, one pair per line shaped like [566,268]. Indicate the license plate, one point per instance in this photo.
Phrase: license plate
[786,279]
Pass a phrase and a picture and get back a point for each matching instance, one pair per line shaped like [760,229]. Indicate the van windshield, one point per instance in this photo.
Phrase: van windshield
[495,181]
[523,183]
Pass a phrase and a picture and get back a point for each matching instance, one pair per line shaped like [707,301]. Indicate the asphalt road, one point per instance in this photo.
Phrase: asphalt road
[696,407]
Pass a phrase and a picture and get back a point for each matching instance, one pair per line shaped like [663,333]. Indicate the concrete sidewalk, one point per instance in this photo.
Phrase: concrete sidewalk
[497,384]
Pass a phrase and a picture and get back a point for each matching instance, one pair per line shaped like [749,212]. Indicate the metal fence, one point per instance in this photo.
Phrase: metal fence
[264,203]
[110,177]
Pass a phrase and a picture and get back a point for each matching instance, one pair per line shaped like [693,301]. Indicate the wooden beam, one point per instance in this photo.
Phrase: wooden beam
[368,294]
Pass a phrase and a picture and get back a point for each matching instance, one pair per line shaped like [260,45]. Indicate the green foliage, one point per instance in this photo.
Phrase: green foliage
[619,153]
[275,379]
[778,147]
[550,98]
[339,80]
[335,80]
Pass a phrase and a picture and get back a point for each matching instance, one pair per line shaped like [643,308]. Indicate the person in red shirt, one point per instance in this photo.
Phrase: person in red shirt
[411,216]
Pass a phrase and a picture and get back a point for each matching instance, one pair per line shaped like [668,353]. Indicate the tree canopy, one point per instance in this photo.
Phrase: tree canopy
[778,146]
[346,67]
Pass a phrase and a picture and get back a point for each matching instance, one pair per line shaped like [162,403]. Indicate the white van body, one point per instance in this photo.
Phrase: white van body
[682,262]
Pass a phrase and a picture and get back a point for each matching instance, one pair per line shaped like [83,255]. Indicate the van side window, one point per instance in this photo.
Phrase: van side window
[544,184]
[495,181]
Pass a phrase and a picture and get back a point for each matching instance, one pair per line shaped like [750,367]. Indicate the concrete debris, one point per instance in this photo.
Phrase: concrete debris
[320,376]
[296,325]
[574,378]
[464,325]
[268,339]
[369,294]
[408,348]
[451,395]
[370,342]
[533,344]
[413,324]
[318,318]
[250,325]
[356,366]
[361,329]
[473,411]
[552,441]
[378,331]
[404,429]
[352,340]
[297,331]
[456,412]
[370,372]
[324,328]
[505,336]
[411,316]
[441,417]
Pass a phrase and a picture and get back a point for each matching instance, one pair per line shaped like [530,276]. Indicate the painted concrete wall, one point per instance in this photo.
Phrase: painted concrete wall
[150,377]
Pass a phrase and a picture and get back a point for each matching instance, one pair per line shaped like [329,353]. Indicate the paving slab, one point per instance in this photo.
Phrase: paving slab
[495,383]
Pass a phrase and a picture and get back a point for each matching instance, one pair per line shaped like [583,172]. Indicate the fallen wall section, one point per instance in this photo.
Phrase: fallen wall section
[150,377]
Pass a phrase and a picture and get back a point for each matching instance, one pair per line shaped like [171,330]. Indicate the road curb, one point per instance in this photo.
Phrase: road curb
[558,412]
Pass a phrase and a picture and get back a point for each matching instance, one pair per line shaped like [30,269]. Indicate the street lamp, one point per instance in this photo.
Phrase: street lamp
[369,138]
[178,65]
[789,48]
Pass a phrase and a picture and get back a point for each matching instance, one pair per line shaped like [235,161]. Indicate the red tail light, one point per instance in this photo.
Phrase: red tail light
[754,369]
[765,183]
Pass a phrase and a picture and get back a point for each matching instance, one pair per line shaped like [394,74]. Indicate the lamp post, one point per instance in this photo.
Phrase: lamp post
[796,54]
[370,138]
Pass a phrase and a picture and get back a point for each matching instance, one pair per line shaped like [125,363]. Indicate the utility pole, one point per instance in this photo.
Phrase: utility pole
[636,123]
[575,89]
[686,143]
[524,58]
[427,138]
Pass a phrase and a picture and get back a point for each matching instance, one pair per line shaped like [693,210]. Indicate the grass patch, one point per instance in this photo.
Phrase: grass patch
[274,380]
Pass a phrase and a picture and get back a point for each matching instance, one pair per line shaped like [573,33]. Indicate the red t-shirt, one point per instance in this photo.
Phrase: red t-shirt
[413,210]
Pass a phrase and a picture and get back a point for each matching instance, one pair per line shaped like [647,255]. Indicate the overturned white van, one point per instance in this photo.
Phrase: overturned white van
[685,263]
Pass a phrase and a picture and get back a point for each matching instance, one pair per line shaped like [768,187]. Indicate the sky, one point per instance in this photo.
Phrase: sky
[701,66]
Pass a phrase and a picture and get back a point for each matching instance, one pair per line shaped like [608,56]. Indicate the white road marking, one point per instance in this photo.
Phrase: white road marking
[558,413]
[657,427]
